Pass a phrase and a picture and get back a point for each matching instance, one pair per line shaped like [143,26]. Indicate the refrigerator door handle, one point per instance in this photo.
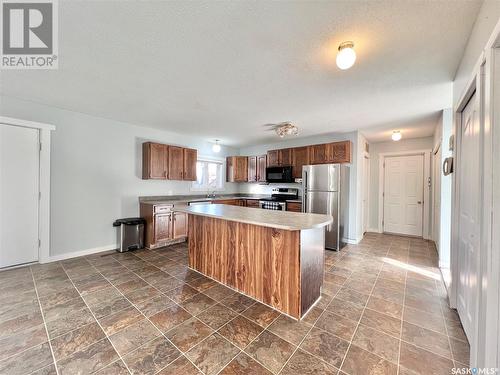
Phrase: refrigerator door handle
[304,191]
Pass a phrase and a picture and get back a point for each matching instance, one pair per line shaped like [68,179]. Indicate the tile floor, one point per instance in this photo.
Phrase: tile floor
[383,311]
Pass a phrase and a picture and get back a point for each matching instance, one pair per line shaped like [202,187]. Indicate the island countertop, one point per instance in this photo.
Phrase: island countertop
[256,216]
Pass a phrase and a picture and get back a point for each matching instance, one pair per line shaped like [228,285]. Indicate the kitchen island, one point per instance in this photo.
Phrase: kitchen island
[274,257]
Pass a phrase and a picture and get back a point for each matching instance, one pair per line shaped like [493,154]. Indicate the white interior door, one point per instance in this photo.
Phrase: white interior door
[469,216]
[436,198]
[366,192]
[403,194]
[19,189]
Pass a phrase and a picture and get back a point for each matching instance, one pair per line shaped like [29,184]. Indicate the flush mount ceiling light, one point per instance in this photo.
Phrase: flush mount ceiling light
[396,135]
[346,55]
[216,146]
[287,129]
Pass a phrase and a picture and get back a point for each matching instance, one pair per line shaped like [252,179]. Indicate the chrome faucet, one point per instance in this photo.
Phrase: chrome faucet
[211,195]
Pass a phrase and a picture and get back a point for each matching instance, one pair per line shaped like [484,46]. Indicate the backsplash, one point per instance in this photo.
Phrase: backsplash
[255,188]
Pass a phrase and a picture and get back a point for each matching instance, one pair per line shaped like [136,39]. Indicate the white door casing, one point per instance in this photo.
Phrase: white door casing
[403,195]
[436,197]
[366,192]
[19,195]
[469,216]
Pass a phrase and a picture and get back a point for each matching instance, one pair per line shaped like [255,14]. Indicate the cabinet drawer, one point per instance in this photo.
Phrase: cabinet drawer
[162,209]
[253,203]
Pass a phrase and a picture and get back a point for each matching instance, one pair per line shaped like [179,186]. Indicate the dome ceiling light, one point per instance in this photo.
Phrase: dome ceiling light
[346,55]
[396,135]
[216,146]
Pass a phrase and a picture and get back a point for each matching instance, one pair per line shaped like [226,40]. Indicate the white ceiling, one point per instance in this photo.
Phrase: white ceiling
[223,69]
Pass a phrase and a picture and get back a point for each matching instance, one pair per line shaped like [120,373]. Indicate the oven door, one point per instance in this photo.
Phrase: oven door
[279,174]
[272,205]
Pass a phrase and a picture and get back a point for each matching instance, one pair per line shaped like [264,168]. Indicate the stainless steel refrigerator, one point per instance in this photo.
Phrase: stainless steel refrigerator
[325,190]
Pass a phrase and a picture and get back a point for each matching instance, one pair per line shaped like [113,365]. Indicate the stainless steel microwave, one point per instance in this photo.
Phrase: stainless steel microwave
[279,174]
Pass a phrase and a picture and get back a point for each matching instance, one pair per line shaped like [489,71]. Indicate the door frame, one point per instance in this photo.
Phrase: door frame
[485,82]
[426,178]
[434,179]
[44,131]
[365,227]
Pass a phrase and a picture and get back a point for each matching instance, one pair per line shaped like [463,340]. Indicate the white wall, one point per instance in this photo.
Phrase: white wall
[96,172]
[375,150]
[488,17]
[355,233]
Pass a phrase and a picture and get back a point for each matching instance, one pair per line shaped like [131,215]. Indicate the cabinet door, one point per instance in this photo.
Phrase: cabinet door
[294,206]
[319,154]
[154,161]
[300,157]
[179,224]
[261,168]
[286,157]
[252,168]
[241,169]
[175,163]
[190,159]
[273,158]
[340,152]
[162,224]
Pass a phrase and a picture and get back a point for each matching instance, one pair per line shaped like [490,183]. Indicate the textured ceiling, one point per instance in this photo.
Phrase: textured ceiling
[224,69]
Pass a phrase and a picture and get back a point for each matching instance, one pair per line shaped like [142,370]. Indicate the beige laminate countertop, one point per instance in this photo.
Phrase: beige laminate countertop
[267,218]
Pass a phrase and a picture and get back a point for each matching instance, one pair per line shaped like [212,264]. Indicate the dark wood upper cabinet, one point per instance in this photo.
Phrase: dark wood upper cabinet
[278,158]
[252,168]
[273,158]
[154,161]
[335,152]
[319,154]
[163,162]
[286,157]
[236,169]
[261,168]
[175,163]
[340,152]
[300,157]
[190,159]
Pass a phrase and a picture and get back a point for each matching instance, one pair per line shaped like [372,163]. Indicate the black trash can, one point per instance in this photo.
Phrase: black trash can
[130,233]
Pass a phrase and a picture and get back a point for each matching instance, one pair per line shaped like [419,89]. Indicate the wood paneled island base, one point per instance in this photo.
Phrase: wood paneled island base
[282,268]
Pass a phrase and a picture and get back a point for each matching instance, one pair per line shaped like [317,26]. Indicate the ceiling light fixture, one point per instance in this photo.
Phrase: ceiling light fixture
[396,135]
[287,129]
[216,146]
[346,55]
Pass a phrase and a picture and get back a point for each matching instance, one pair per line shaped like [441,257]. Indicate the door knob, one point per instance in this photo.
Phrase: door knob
[419,202]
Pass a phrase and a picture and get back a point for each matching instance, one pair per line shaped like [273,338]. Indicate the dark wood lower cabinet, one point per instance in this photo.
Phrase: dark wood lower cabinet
[294,206]
[163,226]
[179,224]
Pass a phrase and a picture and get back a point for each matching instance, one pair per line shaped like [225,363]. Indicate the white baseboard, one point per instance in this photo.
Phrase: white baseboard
[373,230]
[352,241]
[79,253]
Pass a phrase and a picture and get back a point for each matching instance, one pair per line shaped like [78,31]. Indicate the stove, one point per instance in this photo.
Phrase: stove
[278,199]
